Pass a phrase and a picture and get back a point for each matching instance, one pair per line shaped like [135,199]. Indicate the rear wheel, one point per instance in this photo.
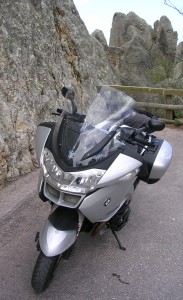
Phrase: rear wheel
[43,271]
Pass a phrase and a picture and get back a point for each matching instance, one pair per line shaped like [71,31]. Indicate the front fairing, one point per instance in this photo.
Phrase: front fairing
[77,155]
[95,139]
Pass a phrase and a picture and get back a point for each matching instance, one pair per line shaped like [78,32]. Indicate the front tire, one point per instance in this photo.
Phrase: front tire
[44,271]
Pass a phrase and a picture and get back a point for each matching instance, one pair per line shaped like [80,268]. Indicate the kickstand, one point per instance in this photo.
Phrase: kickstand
[117,239]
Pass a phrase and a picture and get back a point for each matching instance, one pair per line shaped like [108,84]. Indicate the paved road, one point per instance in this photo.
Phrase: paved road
[150,269]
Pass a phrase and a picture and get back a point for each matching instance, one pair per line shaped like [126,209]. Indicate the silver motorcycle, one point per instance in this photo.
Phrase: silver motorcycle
[90,166]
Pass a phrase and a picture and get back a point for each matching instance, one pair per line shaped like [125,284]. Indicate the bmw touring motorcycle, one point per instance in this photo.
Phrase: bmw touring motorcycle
[90,166]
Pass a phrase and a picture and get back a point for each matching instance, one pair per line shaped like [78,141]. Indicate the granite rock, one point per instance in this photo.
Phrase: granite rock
[45,45]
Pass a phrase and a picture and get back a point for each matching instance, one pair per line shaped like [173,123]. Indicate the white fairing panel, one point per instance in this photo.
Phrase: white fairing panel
[122,166]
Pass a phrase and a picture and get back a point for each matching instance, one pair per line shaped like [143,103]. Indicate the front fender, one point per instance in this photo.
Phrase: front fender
[59,231]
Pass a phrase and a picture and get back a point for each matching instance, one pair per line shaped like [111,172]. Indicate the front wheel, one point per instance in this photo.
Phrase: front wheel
[43,271]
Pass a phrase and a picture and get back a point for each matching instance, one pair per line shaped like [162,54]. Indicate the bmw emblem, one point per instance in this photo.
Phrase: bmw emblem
[107,202]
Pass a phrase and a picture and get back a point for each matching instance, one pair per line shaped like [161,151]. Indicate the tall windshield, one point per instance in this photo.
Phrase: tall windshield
[96,138]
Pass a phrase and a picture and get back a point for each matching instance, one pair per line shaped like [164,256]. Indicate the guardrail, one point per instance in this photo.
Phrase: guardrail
[168,93]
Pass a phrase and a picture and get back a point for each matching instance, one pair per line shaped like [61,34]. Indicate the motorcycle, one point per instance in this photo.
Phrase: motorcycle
[90,166]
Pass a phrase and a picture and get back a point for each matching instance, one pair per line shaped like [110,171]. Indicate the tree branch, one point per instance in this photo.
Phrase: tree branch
[170,4]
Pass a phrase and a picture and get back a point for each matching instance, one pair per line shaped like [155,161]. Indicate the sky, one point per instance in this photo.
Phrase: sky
[98,14]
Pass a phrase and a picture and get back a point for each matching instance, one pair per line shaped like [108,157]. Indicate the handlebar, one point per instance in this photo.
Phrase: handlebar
[136,135]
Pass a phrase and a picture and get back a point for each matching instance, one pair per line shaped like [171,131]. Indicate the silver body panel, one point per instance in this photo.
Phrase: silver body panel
[101,205]
[162,161]
[122,165]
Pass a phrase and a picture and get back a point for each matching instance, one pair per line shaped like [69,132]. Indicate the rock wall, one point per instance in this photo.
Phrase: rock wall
[45,45]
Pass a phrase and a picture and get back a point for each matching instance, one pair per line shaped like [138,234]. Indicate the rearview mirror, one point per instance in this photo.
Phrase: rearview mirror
[156,124]
[69,93]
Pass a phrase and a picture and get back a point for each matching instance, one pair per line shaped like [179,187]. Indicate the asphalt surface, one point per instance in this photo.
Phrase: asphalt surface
[151,268]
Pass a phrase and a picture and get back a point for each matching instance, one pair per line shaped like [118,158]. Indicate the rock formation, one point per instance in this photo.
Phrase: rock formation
[141,55]
[45,45]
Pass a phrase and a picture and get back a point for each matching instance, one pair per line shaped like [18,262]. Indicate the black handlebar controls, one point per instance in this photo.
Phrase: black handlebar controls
[143,142]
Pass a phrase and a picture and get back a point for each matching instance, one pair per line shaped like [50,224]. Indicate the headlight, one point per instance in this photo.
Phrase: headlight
[75,182]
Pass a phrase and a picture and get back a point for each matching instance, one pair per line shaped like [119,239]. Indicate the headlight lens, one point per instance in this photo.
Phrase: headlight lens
[75,182]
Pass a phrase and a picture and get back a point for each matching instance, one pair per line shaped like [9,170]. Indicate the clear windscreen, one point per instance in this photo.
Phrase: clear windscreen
[97,137]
